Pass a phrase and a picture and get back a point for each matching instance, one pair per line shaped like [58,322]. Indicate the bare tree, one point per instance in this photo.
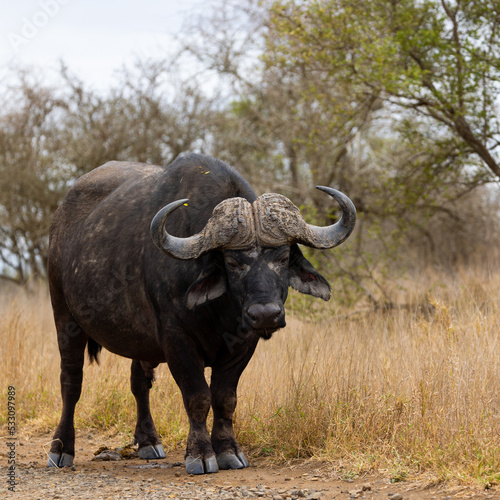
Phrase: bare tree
[50,135]
[30,180]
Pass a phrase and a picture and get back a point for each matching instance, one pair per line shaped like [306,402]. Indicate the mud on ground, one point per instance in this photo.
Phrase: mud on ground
[136,478]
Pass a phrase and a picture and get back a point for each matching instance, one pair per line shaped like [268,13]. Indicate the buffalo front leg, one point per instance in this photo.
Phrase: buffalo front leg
[227,449]
[72,342]
[145,434]
[187,368]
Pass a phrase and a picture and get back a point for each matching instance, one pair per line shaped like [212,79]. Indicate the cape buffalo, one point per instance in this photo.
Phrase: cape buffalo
[193,284]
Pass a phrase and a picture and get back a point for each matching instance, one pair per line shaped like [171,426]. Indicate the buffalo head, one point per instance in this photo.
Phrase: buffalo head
[258,254]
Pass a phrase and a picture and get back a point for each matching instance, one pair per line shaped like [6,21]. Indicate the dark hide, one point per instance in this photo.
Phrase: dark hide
[112,287]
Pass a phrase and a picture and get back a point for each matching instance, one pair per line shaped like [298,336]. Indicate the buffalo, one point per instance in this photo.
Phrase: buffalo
[181,264]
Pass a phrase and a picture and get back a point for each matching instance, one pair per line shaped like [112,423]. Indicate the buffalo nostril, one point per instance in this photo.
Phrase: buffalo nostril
[254,312]
[272,310]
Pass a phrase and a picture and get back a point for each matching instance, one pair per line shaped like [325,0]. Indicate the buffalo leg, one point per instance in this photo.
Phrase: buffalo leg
[223,387]
[72,342]
[145,435]
[188,371]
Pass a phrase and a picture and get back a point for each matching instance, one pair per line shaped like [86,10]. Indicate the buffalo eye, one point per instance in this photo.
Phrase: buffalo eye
[234,265]
[282,260]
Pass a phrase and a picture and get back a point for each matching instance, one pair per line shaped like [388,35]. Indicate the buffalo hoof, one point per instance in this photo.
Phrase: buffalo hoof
[243,459]
[196,465]
[60,460]
[152,452]
[228,460]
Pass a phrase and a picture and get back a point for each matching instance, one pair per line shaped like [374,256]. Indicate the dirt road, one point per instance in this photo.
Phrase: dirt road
[135,478]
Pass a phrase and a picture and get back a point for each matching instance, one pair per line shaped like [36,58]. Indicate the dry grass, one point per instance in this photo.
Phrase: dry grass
[398,391]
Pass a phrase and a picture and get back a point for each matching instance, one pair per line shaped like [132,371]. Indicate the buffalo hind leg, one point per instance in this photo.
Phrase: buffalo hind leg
[72,342]
[145,435]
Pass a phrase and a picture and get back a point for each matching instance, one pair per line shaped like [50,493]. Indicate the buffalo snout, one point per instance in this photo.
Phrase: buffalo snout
[265,316]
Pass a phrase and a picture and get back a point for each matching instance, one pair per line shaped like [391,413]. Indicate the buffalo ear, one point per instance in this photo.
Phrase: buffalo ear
[210,284]
[304,278]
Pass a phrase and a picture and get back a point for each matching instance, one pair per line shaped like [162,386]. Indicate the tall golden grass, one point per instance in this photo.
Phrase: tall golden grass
[402,391]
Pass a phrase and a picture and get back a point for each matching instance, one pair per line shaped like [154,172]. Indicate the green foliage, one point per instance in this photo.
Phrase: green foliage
[437,59]
[407,92]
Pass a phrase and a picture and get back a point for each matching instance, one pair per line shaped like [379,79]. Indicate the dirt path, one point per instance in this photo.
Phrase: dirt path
[135,478]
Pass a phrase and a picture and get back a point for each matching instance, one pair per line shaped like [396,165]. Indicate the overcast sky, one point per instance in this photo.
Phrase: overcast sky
[93,37]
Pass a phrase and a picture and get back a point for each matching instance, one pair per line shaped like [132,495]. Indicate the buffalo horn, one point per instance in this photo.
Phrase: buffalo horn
[231,225]
[279,222]
[331,236]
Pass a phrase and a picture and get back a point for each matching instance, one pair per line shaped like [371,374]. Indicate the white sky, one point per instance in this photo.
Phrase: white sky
[93,37]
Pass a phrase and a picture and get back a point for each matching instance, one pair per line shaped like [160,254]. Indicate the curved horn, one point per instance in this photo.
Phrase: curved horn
[280,222]
[181,248]
[230,226]
[331,236]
